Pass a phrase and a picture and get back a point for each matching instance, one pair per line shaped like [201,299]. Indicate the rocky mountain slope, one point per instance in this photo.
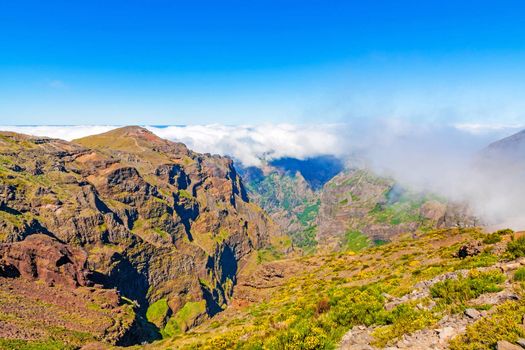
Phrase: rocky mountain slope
[123,239]
[508,150]
[446,289]
[345,207]
[164,227]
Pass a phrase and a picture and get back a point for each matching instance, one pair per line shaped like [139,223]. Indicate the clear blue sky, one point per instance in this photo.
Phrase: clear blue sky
[181,62]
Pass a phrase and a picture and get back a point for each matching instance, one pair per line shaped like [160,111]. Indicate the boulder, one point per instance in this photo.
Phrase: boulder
[446,333]
[469,249]
[505,345]
[472,313]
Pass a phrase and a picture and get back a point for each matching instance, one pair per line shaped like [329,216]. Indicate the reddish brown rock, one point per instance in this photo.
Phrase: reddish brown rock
[40,257]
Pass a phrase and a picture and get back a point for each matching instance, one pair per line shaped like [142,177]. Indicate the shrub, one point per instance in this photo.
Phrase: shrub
[301,336]
[492,238]
[480,260]
[358,307]
[403,319]
[457,291]
[503,324]
[516,247]
[519,275]
[506,231]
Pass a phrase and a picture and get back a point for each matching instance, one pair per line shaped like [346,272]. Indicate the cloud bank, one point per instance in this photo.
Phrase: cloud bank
[247,144]
[251,144]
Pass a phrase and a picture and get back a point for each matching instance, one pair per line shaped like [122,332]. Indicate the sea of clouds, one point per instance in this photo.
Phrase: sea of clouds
[385,141]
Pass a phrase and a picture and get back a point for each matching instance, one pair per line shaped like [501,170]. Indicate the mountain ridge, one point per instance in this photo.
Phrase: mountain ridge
[158,221]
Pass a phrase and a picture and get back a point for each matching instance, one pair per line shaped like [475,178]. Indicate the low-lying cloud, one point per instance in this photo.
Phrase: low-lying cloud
[251,144]
[247,144]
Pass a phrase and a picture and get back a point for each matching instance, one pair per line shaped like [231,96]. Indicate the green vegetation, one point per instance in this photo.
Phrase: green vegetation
[455,292]
[504,324]
[222,235]
[157,312]
[492,238]
[309,213]
[404,210]
[268,254]
[355,241]
[516,248]
[184,318]
[185,194]
[379,242]
[404,319]
[305,239]
[335,292]
[506,231]
[519,275]
[17,344]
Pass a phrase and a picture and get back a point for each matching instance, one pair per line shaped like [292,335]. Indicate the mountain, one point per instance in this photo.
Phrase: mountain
[325,205]
[509,150]
[127,239]
[165,229]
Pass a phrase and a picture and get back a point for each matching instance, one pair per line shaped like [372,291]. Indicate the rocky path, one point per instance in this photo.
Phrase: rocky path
[437,338]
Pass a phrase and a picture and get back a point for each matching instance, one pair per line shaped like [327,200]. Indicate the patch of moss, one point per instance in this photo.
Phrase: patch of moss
[185,194]
[183,319]
[356,241]
[157,312]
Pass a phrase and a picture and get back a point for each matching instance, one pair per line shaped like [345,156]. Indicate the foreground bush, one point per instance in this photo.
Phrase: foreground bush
[504,324]
[519,275]
[403,319]
[516,248]
[458,291]
[492,238]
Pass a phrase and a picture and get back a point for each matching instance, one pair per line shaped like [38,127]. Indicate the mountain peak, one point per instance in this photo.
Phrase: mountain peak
[131,139]
[133,131]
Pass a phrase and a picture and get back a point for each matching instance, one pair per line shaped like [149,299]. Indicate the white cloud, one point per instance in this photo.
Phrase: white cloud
[64,132]
[483,128]
[247,144]
[250,144]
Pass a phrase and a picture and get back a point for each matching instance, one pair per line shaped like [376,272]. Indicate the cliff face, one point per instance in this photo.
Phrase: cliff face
[358,209]
[344,208]
[159,222]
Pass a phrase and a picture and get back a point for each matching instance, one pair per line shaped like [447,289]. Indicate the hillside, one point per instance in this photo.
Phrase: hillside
[451,288]
[508,149]
[344,207]
[166,229]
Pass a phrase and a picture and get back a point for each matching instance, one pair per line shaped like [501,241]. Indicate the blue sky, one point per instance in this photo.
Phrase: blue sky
[232,62]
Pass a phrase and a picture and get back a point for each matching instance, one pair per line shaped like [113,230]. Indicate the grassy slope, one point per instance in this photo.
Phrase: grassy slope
[334,292]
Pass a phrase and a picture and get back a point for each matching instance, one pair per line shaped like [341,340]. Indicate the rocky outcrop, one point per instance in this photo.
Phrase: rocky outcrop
[470,249]
[40,257]
[449,326]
